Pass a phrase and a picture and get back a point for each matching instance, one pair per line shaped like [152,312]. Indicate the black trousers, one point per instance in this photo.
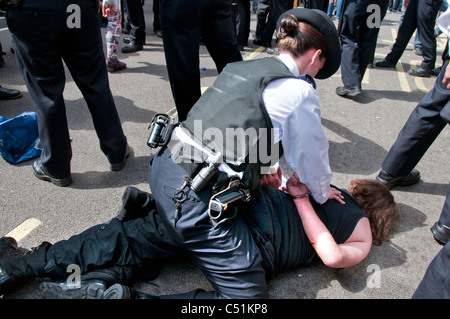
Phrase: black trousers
[43,38]
[137,20]
[420,130]
[420,15]
[183,23]
[277,8]
[358,39]
[225,252]
[436,281]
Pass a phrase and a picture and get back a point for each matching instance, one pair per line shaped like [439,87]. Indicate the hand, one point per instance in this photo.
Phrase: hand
[336,194]
[446,79]
[295,187]
[273,180]
[406,3]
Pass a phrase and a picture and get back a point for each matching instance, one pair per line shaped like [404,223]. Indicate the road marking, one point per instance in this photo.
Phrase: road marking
[24,229]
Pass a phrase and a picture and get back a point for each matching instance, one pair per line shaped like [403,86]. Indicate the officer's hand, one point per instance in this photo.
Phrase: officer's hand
[337,195]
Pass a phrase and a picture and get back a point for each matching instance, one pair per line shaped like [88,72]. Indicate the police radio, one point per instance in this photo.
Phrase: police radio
[161,129]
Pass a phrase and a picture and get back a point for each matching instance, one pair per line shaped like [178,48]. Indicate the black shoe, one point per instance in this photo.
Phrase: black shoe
[9,248]
[23,265]
[421,72]
[391,181]
[90,289]
[130,40]
[135,204]
[441,233]
[436,71]
[39,172]
[348,90]
[9,94]
[384,64]
[118,291]
[261,43]
[132,47]
[119,166]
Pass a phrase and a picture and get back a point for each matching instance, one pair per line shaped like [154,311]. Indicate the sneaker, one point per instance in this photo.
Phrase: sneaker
[113,64]
[91,289]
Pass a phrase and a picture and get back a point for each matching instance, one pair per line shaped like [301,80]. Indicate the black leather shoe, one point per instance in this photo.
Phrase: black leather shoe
[90,289]
[391,181]
[348,90]
[421,72]
[9,94]
[135,204]
[118,291]
[132,47]
[384,64]
[39,172]
[441,233]
[9,248]
[261,43]
[119,166]
[129,40]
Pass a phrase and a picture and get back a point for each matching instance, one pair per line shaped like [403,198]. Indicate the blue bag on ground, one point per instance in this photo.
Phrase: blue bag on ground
[19,138]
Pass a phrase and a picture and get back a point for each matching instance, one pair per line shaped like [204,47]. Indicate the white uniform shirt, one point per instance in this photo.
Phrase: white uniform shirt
[293,106]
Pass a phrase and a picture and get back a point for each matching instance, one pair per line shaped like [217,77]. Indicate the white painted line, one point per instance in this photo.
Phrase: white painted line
[21,231]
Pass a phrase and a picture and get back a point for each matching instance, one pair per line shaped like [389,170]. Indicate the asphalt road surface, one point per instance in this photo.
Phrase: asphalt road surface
[360,131]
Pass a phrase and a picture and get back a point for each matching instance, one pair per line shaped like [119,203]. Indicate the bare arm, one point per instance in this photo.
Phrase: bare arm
[354,250]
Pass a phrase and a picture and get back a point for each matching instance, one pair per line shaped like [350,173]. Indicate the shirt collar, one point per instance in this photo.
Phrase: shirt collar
[292,66]
[289,62]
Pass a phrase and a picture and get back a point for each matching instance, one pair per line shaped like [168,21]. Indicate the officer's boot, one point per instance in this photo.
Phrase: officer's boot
[135,204]
[93,284]
[118,291]
[16,267]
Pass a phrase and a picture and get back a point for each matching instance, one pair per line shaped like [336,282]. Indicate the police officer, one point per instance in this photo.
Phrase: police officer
[183,23]
[358,38]
[45,34]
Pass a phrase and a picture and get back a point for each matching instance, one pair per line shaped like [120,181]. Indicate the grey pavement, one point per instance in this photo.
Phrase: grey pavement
[360,130]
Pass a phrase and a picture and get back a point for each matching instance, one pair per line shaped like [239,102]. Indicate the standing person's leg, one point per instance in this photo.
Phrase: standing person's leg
[219,36]
[91,76]
[419,132]
[36,33]
[181,28]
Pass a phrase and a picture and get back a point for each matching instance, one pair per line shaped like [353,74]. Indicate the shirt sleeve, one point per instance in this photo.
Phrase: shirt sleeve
[305,145]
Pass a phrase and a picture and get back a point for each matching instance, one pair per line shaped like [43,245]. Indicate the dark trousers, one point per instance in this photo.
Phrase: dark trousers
[358,40]
[42,41]
[183,22]
[420,130]
[226,252]
[436,281]
[137,21]
[420,15]
[243,22]
[277,8]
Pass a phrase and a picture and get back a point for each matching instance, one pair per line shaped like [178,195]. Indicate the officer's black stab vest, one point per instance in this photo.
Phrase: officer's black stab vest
[233,108]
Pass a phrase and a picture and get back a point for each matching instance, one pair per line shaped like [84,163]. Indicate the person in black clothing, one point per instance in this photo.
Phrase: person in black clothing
[43,39]
[136,17]
[183,23]
[420,15]
[134,244]
[358,40]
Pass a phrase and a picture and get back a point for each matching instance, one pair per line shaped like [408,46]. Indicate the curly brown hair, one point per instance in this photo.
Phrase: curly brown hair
[377,201]
[298,37]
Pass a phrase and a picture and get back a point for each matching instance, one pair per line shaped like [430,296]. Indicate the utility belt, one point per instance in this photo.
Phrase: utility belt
[202,170]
